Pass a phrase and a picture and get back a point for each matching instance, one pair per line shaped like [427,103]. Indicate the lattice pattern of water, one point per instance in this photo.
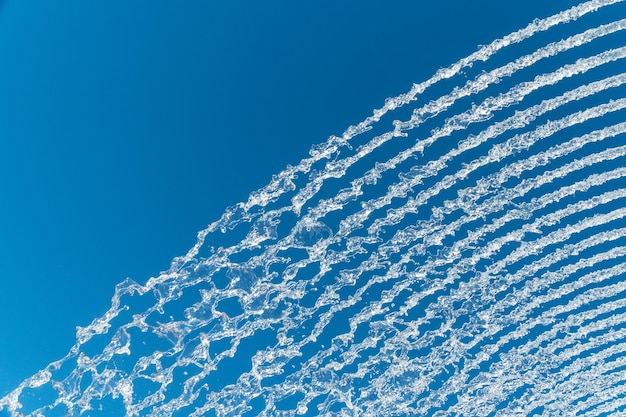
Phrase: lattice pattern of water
[460,252]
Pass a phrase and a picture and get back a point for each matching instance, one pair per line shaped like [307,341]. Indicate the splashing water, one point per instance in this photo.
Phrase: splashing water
[468,260]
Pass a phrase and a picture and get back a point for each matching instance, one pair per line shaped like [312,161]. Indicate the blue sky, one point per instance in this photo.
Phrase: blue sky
[127,126]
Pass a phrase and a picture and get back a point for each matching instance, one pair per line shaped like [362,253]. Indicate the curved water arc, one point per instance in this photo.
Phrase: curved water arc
[267,295]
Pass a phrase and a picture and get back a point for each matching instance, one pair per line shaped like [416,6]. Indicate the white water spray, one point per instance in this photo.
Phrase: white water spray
[469,260]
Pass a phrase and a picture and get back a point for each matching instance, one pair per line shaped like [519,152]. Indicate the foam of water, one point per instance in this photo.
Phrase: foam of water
[468,260]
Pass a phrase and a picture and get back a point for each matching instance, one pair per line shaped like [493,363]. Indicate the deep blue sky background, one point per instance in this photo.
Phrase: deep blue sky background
[127,126]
